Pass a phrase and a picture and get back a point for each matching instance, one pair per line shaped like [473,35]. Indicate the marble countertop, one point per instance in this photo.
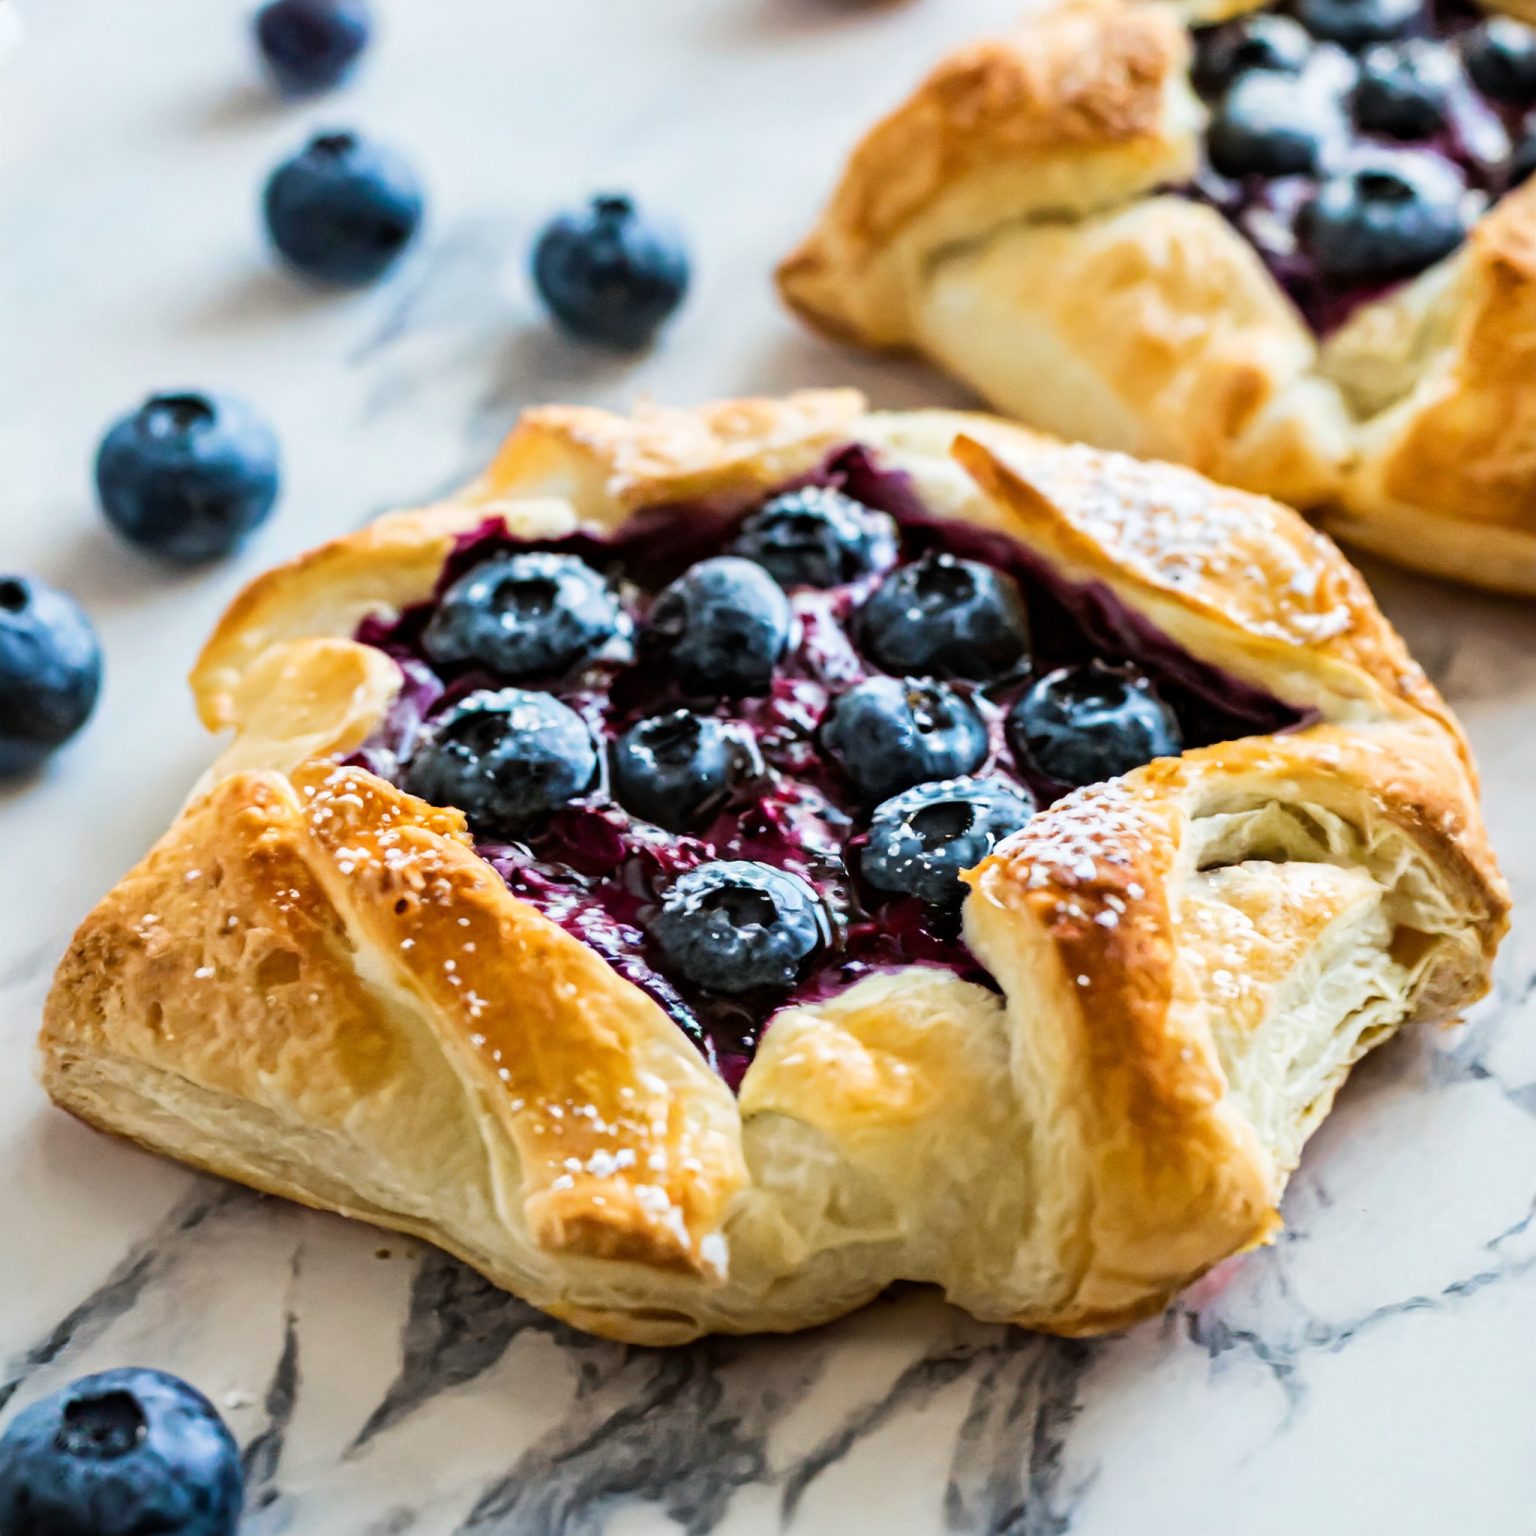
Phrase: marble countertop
[1374,1371]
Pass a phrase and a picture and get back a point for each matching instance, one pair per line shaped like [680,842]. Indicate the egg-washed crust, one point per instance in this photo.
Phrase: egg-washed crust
[313,985]
[1049,150]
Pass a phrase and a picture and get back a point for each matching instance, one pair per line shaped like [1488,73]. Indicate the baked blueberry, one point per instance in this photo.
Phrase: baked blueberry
[722,627]
[610,273]
[188,475]
[343,209]
[312,45]
[1356,23]
[1266,125]
[506,758]
[737,926]
[525,615]
[122,1453]
[941,616]
[889,733]
[1390,214]
[677,769]
[1085,724]
[1500,55]
[1266,42]
[50,671]
[1404,89]
[817,537]
[923,840]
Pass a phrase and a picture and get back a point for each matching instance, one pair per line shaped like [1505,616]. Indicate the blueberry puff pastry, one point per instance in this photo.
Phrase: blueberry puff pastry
[1288,245]
[728,860]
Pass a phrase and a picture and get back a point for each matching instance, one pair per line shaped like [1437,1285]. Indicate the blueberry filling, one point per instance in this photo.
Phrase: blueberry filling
[1354,143]
[772,793]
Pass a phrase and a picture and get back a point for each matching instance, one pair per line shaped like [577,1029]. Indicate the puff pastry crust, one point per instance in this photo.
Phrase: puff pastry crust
[315,986]
[1009,221]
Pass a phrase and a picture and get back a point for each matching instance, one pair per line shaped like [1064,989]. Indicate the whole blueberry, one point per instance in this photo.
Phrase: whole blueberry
[1356,23]
[677,769]
[1266,125]
[721,627]
[817,537]
[312,45]
[942,616]
[889,733]
[1404,89]
[923,840]
[50,671]
[1500,55]
[506,758]
[1085,724]
[525,615]
[343,209]
[736,926]
[609,273]
[1274,43]
[188,475]
[123,1453]
[1523,162]
[1388,215]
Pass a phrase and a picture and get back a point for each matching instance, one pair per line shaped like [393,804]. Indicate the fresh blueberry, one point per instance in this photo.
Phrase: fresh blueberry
[50,672]
[609,273]
[1404,89]
[941,616]
[1357,23]
[1273,43]
[1266,125]
[677,769]
[312,45]
[343,209]
[188,476]
[721,626]
[1523,162]
[1389,215]
[922,841]
[1085,724]
[817,537]
[123,1453]
[889,733]
[1500,55]
[506,759]
[736,926]
[525,615]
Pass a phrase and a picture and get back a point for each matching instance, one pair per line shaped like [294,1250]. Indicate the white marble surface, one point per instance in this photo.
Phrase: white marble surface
[1373,1372]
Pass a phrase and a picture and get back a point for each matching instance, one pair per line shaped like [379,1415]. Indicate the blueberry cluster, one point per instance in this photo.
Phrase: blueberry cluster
[1354,142]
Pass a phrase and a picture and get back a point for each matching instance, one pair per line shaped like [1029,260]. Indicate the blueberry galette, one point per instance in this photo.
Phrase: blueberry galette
[729,860]
[1291,246]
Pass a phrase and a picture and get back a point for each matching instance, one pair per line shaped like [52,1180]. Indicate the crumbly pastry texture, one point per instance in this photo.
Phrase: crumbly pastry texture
[314,985]
[1012,221]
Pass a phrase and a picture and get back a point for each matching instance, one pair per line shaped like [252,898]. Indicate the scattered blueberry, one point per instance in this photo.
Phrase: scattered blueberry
[1356,23]
[50,672]
[736,926]
[817,537]
[889,733]
[187,475]
[946,617]
[343,209]
[609,273]
[506,759]
[676,770]
[1404,89]
[1266,125]
[1391,213]
[923,840]
[525,615]
[1523,162]
[312,45]
[122,1453]
[722,626]
[1500,55]
[1274,43]
[1085,724]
